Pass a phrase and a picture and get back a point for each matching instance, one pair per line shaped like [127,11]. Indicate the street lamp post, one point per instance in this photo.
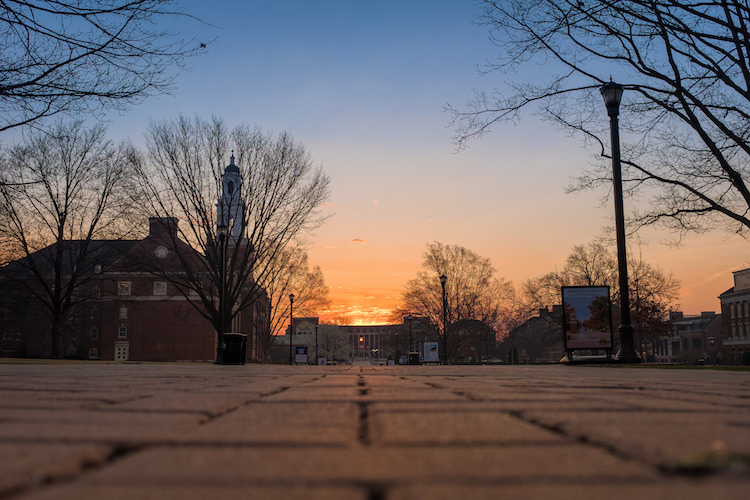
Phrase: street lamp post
[221,233]
[291,327]
[410,343]
[612,93]
[443,279]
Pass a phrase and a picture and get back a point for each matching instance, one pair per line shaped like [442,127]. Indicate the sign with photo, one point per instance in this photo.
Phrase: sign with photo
[587,317]
[431,353]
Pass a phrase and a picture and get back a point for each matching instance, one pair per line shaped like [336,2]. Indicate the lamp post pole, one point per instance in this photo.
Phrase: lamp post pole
[443,279]
[410,342]
[612,93]
[291,327]
[221,233]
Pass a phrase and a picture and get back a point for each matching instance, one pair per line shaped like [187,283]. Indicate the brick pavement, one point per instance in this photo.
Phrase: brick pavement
[72,431]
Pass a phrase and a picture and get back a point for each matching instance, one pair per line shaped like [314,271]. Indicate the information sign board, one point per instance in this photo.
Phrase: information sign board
[431,354]
[587,317]
[300,354]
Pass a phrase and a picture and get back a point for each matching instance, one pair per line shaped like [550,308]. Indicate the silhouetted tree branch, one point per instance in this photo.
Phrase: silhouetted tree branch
[282,194]
[74,189]
[84,55]
[685,110]
[472,290]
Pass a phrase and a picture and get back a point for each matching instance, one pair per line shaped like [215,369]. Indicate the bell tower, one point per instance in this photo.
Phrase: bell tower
[230,209]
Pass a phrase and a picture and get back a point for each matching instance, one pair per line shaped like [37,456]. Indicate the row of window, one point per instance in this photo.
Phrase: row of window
[123,287]
[122,315]
[662,347]
[739,332]
[122,333]
[737,309]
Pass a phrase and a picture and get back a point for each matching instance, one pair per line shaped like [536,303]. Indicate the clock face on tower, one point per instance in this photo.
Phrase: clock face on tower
[305,328]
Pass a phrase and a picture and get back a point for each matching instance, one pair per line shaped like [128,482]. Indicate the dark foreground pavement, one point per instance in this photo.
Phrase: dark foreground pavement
[182,431]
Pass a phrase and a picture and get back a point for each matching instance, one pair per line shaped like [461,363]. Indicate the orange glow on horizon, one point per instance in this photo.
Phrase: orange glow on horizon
[366,281]
[358,310]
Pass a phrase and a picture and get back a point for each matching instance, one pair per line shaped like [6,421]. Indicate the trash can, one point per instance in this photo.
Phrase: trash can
[235,345]
[413,358]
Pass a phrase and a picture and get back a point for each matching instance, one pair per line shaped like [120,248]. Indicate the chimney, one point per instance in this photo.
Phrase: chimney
[707,314]
[675,315]
[162,227]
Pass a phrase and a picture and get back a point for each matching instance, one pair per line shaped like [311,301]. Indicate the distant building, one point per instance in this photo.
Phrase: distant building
[376,343]
[735,311]
[694,339]
[538,339]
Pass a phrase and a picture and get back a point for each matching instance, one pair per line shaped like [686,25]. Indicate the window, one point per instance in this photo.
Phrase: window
[122,332]
[95,292]
[93,353]
[123,312]
[94,334]
[675,346]
[7,336]
[697,343]
[93,313]
[123,288]
[160,287]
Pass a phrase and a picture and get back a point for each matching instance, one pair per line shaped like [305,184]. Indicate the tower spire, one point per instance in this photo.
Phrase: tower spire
[230,209]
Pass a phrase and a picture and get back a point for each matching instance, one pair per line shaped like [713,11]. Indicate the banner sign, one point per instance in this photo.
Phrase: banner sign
[587,317]
[300,355]
[431,354]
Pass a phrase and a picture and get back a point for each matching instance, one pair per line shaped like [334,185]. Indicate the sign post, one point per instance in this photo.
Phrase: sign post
[431,352]
[300,354]
[587,319]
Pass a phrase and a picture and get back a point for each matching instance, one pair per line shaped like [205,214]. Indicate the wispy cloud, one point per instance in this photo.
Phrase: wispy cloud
[358,240]
[375,202]
[328,205]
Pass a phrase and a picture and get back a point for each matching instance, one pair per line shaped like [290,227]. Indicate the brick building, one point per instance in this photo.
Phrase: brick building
[124,311]
[694,339]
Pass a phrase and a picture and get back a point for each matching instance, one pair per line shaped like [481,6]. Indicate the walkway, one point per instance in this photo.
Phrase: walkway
[183,431]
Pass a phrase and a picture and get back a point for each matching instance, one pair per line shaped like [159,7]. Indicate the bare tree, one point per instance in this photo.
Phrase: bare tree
[653,291]
[333,343]
[290,273]
[684,66]
[276,199]
[538,335]
[84,55]
[61,194]
[472,290]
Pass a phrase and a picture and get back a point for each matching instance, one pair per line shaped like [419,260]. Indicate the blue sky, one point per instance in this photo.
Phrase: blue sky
[363,85]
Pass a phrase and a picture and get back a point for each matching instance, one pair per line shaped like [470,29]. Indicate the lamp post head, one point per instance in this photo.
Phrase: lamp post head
[443,279]
[221,230]
[291,297]
[612,93]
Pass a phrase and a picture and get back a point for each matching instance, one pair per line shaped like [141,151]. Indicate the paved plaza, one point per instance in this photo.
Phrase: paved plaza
[183,431]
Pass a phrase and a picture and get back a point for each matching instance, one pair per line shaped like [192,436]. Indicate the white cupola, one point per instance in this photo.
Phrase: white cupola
[230,209]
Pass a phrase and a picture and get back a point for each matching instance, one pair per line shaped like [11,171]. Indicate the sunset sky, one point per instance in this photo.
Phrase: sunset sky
[363,85]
